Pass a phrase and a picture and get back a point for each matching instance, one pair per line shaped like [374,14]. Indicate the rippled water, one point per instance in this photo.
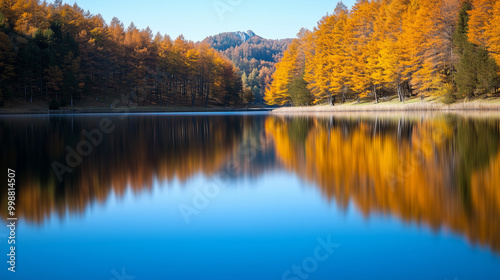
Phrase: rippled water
[254,196]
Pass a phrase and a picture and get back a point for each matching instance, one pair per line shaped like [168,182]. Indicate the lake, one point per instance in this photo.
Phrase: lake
[253,196]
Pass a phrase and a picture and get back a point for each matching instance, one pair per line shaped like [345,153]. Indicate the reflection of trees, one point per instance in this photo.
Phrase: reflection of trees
[140,150]
[441,172]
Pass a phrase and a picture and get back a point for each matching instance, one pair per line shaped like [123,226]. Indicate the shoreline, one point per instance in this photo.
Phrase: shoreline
[147,110]
[414,105]
[411,106]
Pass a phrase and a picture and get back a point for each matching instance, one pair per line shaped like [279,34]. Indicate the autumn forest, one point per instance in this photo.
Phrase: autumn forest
[446,49]
[62,55]
[60,52]
[438,170]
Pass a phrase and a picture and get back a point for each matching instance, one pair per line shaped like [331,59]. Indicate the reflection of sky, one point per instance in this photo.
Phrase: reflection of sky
[255,229]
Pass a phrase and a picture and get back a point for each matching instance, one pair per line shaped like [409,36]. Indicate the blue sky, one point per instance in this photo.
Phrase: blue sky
[197,19]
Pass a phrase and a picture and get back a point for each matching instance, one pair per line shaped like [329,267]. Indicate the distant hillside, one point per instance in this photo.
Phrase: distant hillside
[224,41]
[254,55]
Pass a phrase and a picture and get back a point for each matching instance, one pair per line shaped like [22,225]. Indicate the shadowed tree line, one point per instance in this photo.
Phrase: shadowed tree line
[139,150]
[62,53]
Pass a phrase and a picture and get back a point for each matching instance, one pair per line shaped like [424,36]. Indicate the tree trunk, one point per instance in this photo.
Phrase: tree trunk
[41,87]
[400,93]
[208,92]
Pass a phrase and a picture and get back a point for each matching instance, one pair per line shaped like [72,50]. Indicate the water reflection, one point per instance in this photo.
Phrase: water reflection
[139,150]
[439,170]
[442,171]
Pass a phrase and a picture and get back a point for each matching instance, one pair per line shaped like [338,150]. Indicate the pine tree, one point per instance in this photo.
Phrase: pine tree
[299,93]
[7,67]
[476,70]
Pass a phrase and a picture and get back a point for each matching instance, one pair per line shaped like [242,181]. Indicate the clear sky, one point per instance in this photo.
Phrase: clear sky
[197,19]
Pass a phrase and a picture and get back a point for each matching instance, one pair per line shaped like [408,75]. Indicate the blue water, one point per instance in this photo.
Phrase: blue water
[251,226]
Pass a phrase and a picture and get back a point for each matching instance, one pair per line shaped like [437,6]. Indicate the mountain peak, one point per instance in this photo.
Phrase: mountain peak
[244,36]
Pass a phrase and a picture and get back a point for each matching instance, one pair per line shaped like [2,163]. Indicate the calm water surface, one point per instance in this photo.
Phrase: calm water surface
[254,196]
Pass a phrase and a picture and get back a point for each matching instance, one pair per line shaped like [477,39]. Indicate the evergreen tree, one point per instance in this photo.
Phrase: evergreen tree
[476,71]
[299,93]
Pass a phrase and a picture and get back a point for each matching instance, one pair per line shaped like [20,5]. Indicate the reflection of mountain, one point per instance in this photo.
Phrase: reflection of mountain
[441,172]
[138,151]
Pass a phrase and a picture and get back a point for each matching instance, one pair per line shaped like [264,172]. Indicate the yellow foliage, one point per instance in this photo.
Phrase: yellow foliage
[379,45]
[408,177]
[492,32]
[479,21]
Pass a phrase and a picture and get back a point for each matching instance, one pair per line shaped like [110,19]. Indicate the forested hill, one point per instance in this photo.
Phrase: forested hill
[224,41]
[254,55]
[61,54]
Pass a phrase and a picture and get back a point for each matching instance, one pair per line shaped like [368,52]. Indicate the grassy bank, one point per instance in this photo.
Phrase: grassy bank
[41,107]
[415,104]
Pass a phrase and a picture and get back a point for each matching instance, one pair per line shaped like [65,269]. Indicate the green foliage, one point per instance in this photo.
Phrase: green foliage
[476,143]
[380,48]
[4,25]
[299,129]
[54,105]
[476,71]
[7,67]
[253,55]
[299,94]
[61,51]
[248,96]
[466,75]
[487,72]
[460,34]
[242,48]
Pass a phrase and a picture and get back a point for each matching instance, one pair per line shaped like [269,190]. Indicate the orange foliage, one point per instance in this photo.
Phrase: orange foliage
[411,178]
[386,47]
